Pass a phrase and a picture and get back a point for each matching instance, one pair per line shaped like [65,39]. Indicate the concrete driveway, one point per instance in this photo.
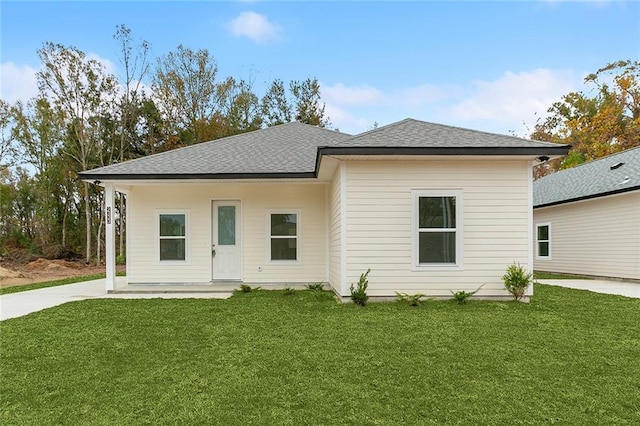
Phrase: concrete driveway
[25,302]
[621,288]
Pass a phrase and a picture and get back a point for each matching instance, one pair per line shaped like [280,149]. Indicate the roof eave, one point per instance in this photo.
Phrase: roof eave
[348,150]
[97,177]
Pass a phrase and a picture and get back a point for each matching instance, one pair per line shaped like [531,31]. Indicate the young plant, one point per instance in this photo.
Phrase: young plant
[315,286]
[410,299]
[462,296]
[288,291]
[245,288]
[517,280]
[359,293]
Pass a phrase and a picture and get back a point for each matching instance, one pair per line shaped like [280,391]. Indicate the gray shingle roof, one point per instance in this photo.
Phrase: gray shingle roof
[415,133]
[293,150]
[590,180]
[287,148]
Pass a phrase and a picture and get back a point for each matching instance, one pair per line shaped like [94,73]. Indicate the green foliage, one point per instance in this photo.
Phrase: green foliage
[246,288]
[410,299]
[517,280]
[555,276]
[359,293]
[288,291]
[462,296]
[121,259]
[315,286]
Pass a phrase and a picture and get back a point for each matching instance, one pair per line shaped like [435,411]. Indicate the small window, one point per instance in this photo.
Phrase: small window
[543,241]
[284,236]
[438,230]
[172,237]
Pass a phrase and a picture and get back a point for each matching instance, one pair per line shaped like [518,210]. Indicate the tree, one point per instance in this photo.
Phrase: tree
[7,148]
[81,91]
[275,105]
[598,125]
[186,92]
[306,101]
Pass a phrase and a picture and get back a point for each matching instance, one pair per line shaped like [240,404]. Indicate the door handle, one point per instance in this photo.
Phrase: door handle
[213,250]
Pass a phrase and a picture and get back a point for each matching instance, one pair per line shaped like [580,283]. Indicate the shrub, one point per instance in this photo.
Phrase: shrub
[315,286]
[462,296]
[517,280]
[410,299]
[359,293]
[120,259]
[245,288]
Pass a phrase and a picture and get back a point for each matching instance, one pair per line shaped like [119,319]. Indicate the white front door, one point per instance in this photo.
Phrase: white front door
[226,247]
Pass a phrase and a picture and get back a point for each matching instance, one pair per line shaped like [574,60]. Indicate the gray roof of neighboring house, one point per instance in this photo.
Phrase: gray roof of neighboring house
[295,149]
[614,174]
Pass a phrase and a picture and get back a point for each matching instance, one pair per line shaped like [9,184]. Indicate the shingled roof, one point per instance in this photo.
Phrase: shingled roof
[610,175]
[294,150]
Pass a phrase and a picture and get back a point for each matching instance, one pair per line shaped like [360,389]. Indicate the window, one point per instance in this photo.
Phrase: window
[543,241]
[172,233]
[437,218]
[283,236]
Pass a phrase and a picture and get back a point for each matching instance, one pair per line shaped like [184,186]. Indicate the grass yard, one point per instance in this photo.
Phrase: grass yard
[569,357]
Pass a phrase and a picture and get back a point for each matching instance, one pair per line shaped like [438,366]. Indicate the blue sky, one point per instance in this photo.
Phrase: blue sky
[494,66]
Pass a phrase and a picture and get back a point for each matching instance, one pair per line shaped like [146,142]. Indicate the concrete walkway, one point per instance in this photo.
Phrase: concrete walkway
[25,302]
[620,288]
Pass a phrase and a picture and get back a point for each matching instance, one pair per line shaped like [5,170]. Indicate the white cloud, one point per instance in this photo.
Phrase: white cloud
[17,82]
[343,95]
[515,98]
[109,66]
[254,26]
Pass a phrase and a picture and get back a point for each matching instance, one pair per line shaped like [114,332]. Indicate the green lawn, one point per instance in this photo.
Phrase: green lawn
[569,357]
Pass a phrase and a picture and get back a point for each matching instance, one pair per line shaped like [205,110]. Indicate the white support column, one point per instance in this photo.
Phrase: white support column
[110,236]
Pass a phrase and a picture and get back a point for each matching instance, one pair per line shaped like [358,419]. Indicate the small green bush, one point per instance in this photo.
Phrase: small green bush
[359,293]
[517,280]
[315,286]
[120,259]
[463,296]
[410,299]
[245,288]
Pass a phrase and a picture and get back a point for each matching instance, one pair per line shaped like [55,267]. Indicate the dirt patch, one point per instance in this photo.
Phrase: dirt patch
[42,270]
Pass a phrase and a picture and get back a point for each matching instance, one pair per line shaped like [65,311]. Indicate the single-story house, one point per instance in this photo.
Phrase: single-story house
[428,208]
[587,219]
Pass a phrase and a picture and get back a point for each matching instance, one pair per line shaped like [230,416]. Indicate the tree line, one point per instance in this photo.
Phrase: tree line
[85,117]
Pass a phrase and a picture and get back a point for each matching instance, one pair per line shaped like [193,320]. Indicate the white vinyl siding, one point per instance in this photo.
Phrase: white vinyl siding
[256,200]
[379,213]
[335,223]
[599,237]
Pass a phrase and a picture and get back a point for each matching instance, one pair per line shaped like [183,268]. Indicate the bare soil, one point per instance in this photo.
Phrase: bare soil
[41,270]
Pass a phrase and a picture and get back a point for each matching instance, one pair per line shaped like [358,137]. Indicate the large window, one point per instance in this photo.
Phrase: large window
[543,241]
[284,235]
[172,235]
[437,217]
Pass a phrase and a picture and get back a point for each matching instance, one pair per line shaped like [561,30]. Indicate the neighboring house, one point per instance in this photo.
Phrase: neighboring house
[429,208]
[587,219]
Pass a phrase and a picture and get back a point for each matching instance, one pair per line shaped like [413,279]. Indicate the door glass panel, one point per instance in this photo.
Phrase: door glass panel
[226,225]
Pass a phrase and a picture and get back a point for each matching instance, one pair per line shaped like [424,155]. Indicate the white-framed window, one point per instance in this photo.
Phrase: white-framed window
[284,236]
[543,241]
[437,229]
[172,231]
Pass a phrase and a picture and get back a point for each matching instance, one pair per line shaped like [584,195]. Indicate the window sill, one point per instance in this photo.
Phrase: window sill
[436,267]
